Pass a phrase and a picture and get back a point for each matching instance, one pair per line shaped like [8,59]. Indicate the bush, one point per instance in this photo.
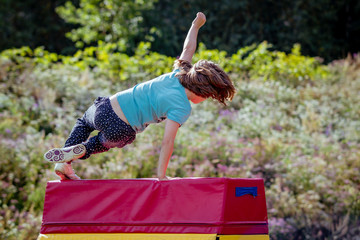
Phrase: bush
[298,130]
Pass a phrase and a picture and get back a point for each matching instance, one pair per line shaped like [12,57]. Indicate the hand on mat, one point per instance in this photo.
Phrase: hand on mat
[164,178]
[168,178]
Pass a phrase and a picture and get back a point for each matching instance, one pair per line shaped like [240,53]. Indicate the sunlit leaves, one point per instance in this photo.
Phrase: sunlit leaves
[106,20]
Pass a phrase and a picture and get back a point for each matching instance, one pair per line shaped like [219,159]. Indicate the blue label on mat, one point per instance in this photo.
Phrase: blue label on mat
[240,191]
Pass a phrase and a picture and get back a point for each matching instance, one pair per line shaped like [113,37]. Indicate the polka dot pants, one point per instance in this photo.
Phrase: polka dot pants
[113,132]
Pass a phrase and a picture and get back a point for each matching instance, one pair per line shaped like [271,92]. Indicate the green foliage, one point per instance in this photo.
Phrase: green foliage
[234,24]
[231,24]
[112,21]
[257,61]
[291,69]
[294,122]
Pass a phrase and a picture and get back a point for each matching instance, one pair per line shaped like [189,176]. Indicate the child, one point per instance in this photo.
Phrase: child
[120,117]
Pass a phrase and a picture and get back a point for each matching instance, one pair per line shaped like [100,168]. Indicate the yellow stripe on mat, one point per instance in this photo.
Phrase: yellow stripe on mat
[125,236]
[243,237]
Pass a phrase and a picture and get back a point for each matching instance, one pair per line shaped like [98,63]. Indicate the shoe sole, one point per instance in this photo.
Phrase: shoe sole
[58,155]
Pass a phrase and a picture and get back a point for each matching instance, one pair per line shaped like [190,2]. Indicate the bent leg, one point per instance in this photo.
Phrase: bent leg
[80,132]
[118,135]
[113,132]
[95,145]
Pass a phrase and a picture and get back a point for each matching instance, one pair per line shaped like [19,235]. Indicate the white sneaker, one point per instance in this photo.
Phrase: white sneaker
[65,171]
[60,155]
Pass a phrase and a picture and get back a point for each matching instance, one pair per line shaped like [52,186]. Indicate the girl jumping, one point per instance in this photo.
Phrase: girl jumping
[120,117]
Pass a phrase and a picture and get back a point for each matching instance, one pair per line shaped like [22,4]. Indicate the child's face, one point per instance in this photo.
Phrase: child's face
[197,99]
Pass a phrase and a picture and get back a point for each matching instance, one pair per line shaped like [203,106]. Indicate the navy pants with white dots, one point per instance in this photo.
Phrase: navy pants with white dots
[113,132]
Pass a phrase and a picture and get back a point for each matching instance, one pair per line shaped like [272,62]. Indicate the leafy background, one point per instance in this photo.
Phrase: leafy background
[324,28]
[294,121]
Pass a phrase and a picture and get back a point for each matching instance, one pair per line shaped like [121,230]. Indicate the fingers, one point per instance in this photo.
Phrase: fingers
[200,14]
[200,19]
[163,178]
[168,178]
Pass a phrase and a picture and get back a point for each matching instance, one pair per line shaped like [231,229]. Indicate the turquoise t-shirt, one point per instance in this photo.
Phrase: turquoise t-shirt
[154,101]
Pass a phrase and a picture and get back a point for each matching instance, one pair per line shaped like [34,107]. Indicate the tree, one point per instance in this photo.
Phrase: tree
[114,21]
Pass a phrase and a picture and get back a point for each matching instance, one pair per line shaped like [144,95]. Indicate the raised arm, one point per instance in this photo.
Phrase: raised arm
[190,42]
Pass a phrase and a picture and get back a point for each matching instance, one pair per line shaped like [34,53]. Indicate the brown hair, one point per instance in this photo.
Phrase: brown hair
[205,79]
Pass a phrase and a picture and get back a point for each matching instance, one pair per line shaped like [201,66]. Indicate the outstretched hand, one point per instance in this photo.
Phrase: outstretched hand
[167,178]
[164,178]
[200,20]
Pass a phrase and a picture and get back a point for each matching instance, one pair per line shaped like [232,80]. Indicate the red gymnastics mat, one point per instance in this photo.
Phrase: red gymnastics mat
[226,206]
